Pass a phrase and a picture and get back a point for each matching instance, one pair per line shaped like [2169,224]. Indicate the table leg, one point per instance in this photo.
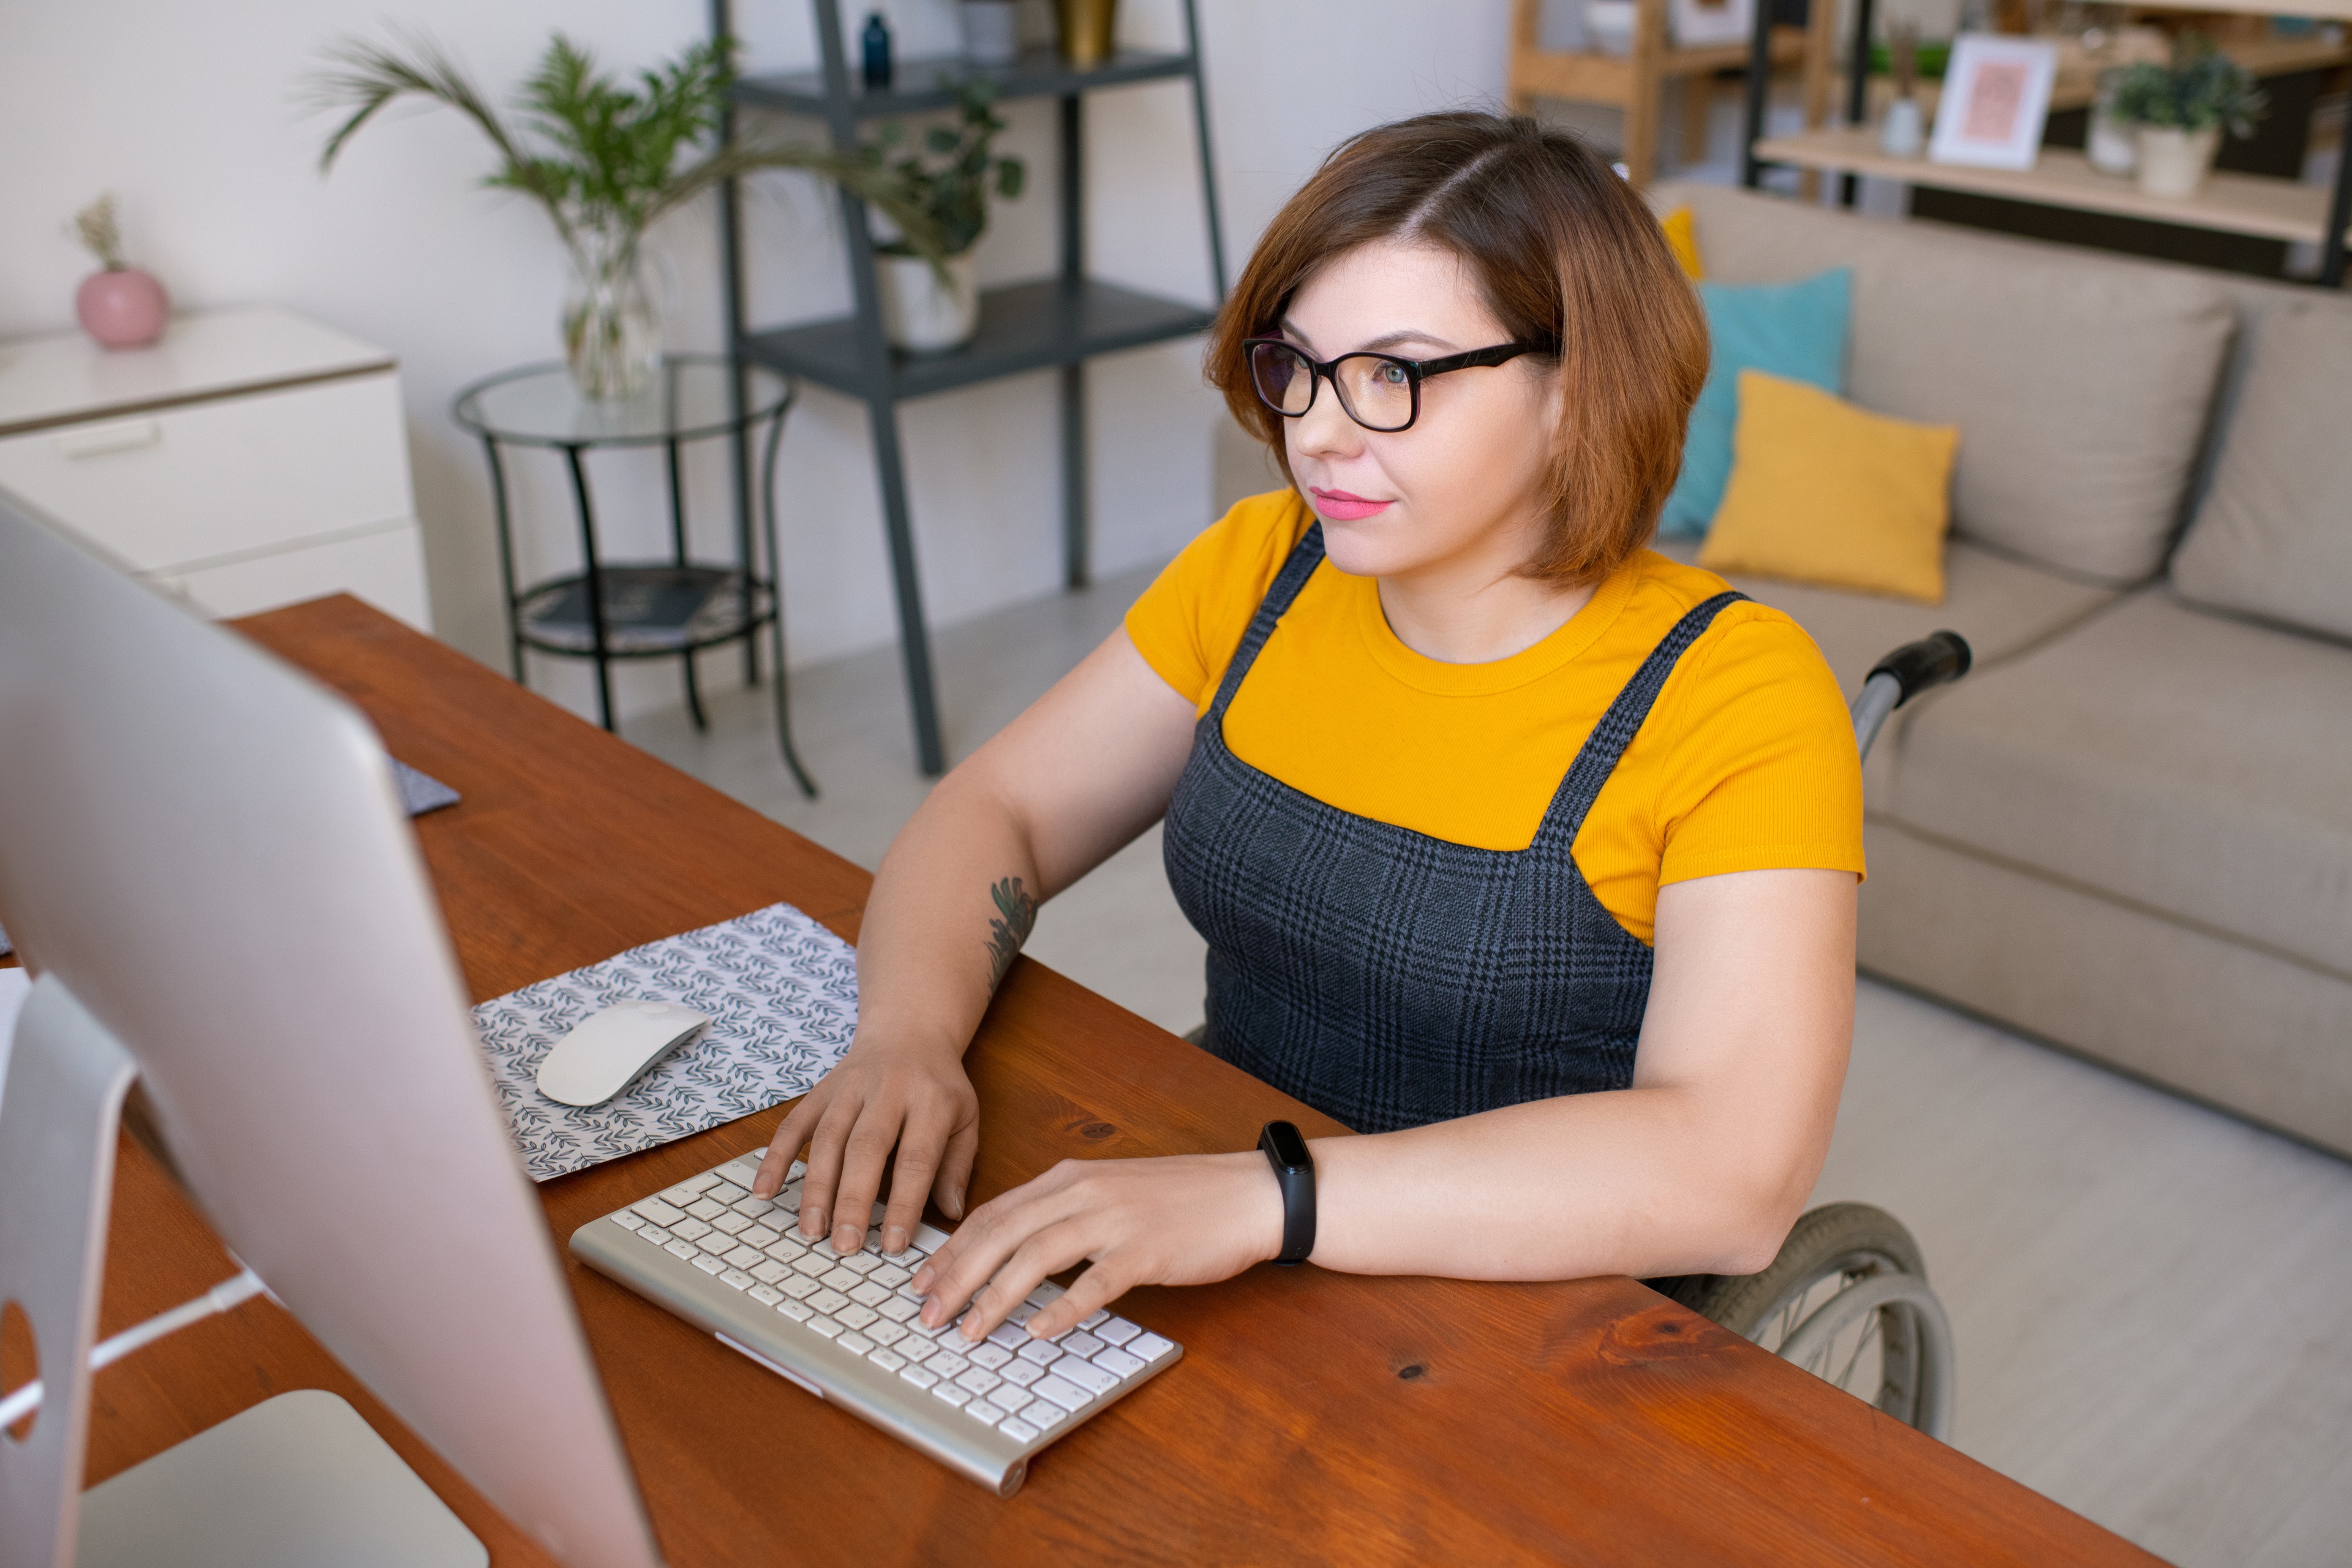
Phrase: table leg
[1857,90]
[776,621]
[595,580]
[914,635]
[677,538]
[506,556]
[1077,567]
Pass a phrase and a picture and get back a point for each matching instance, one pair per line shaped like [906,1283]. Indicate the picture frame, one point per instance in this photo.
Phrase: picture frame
[1995,103]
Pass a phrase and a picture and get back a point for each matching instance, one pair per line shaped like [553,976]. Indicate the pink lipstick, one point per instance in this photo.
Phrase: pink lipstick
[1341,507]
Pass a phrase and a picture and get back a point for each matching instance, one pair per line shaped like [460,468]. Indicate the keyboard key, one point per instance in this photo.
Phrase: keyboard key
[653,1234]
[826,1326]
[1118,1363]
[899,1308]
[657,1211]
[717,1243]
[842,1279]
[857,1317]
[705,1208]
[708,1264]
[757,1235]
[798,1312]
[814,1264]
[886,1359]
[766,1295]
[1046,1294]
[733,1224]
[1093,1318]
[947,1363]
[679,1246]
[788,1198]
[990,1356]
[920,1377]
[692,1187]
[1020,1315]
[855,1343]
[890,1276]
[1042,1352]
[951,1394]
[1066,1394]
[870,1293]
[1020,1431]
[827,1300]
[691,1229]
[1085,1373]
[1044,1415]
[627,1220]
[746,1257]
[1150,1347]
[929,1237]
[767,1271]
[982,1411]
[738,1279]
[727,1191]
[786,1249]
[799,1287]
[861,1263]
[1080,1343]
[979,1380]
[883,1332]
[1021,1374]
[1009,1335]
[1117,1331]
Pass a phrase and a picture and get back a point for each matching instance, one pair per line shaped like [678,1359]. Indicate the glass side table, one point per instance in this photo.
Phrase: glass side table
[628,610]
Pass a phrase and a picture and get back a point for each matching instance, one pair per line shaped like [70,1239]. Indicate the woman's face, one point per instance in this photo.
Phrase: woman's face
[1464,484]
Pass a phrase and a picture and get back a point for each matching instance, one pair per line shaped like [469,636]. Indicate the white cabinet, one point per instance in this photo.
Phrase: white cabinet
[250,459]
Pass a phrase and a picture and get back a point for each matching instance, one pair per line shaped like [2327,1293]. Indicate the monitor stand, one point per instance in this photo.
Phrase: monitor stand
[300,1479]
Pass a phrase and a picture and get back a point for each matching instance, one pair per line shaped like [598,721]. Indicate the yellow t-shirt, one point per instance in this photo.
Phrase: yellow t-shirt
[1746,762]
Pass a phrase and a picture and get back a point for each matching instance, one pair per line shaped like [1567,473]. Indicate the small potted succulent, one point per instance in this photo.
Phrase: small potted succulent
[605,161]
[119,305]
[2177,112]
[930,297]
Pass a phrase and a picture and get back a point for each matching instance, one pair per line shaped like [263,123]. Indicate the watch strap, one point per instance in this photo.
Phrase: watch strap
[1294,1170]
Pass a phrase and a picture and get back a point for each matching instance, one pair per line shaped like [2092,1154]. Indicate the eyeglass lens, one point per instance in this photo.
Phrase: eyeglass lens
[1376,391]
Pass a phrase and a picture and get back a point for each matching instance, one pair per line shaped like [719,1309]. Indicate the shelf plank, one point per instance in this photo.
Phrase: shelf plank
[1591,76]
[922,85]
[2231,203]
[2323,10]
[1023,327]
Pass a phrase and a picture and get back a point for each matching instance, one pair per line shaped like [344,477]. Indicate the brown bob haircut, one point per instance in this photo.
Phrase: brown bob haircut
[1564,252]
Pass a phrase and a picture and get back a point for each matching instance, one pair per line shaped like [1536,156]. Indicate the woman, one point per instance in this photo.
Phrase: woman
[1524,851]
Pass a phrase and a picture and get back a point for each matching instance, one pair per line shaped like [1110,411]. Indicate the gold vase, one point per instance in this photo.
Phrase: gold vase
[1086,29]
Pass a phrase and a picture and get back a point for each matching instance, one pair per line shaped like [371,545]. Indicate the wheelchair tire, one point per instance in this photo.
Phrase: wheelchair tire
[1849,1275]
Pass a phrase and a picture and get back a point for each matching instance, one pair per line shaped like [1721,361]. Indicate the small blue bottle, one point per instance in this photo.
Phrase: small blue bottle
[876,40]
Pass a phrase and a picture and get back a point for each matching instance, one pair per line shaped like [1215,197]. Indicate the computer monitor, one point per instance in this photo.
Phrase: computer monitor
[207,849]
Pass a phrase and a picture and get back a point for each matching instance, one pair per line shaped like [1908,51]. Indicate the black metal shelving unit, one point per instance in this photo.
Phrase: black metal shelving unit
[1061,322]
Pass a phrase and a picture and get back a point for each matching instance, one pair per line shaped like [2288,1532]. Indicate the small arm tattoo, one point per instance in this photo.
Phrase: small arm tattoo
[1016,916]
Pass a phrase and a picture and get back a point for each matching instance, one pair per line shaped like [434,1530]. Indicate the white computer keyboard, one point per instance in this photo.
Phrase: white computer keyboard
[845,1326]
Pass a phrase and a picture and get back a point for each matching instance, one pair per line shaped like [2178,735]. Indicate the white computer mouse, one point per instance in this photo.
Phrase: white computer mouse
[608,1052]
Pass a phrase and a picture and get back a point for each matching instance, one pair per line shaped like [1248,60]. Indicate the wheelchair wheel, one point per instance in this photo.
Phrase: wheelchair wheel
[1848,1300]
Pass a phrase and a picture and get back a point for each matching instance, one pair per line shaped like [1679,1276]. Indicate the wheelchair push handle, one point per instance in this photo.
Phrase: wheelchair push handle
[1936,659]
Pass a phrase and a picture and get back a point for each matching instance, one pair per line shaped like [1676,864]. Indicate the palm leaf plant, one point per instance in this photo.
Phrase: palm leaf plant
[607,161]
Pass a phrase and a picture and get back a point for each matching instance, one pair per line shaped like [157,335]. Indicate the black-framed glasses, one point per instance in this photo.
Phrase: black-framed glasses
[1379,391]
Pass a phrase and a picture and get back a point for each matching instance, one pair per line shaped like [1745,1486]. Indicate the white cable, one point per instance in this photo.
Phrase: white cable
[221,1298]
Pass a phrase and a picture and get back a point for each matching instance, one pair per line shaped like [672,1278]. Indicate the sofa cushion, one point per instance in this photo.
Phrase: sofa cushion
[2081,382]
[2274,536]
[1792,329]
[2162,755]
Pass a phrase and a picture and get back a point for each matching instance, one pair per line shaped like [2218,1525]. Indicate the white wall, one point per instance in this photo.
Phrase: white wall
[191,112]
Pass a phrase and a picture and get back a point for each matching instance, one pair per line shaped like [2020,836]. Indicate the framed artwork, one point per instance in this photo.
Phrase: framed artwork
[1995,101]
[1698,22]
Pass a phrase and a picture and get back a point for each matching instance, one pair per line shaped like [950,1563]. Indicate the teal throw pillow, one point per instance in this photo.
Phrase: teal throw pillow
[1792,329]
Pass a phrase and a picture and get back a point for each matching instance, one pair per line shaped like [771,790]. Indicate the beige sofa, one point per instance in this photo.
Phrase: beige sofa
[2130,831]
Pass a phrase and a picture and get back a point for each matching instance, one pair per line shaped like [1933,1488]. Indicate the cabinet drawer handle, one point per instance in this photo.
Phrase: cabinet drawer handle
[99,439]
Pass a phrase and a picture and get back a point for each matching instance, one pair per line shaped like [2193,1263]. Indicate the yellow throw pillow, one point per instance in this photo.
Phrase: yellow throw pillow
[1822,491]
[1684,242]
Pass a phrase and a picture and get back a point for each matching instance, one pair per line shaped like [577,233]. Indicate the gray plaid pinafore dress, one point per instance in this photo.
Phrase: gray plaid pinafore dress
[1388,978]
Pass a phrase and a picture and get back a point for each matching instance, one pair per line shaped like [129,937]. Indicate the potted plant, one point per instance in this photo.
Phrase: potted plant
[607,162]
[930,292]
[2177,112]
[119,305]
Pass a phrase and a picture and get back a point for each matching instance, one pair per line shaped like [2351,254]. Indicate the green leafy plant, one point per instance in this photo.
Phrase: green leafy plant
[2199,90]
[948,179]
[604,159]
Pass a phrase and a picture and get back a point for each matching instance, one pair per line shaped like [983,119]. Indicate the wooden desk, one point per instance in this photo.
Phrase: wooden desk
[1316,1417]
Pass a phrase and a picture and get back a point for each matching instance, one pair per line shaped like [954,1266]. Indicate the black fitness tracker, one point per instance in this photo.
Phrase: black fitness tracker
[1294,1169]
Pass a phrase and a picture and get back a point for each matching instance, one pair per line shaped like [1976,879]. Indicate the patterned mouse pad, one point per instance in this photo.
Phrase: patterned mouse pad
[780,992]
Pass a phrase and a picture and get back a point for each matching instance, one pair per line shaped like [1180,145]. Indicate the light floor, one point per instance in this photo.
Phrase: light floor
[2152,1301]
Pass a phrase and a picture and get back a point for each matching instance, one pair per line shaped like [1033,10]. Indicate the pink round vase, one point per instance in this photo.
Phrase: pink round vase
[123,308]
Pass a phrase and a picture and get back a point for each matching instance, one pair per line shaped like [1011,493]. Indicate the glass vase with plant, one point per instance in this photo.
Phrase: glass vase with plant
[2177,112]
[607,161]
[930,288]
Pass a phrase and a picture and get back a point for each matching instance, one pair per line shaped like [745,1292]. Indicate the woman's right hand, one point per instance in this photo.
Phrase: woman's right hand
[880,1095]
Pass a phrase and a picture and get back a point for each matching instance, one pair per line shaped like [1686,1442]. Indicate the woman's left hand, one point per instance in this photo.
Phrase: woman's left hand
[1183,1220]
